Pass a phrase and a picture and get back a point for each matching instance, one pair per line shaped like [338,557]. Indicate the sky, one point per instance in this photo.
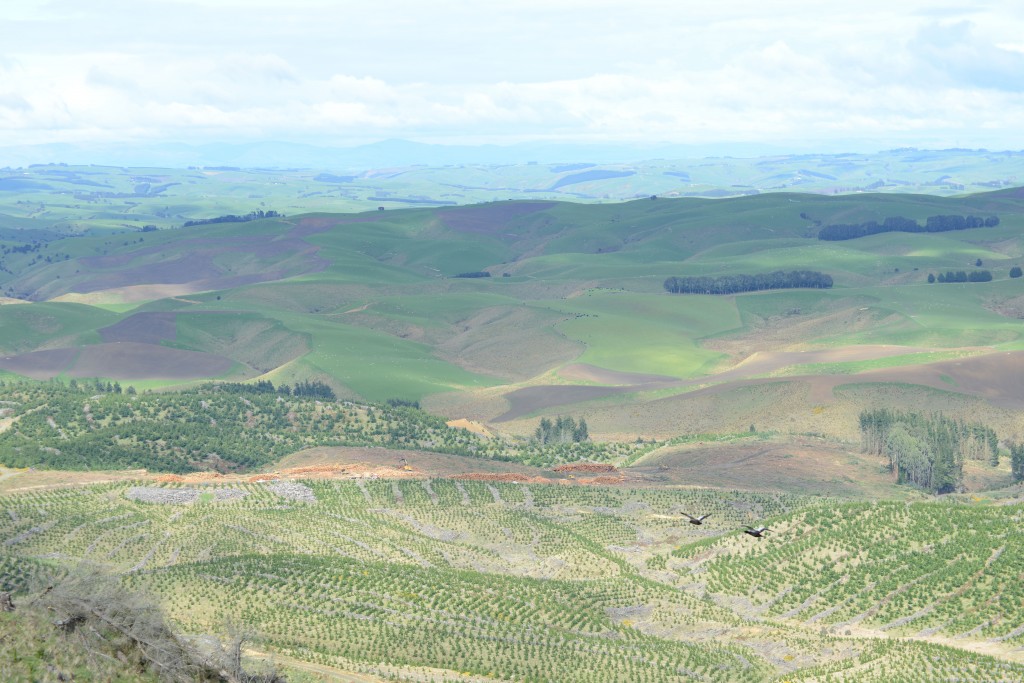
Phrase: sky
[800,74]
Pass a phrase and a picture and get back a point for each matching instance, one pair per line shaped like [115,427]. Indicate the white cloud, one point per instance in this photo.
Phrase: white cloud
[315,70]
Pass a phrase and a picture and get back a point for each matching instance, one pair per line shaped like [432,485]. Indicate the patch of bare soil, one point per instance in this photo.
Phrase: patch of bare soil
[488,219]
[590,467]
[800,465]
[995,377]
[423,463]
[605,481]
[145,328]
[40,364]
[470,426]
[1009,308]
[583,372]
[118,360]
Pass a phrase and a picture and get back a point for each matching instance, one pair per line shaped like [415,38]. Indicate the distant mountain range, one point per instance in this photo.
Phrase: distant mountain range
[275,154]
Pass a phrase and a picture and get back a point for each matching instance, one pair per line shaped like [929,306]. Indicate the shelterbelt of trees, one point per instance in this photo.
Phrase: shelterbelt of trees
[232,218]
[733,284]
[840,232]
[962,276]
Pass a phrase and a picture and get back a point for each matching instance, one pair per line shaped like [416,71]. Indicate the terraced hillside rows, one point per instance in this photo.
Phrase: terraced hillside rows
[438,579]
[904,569]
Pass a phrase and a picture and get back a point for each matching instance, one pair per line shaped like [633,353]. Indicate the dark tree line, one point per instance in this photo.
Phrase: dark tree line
[263,386]
[562,430]
[307,389]
[732,284]
[403,403]
[840,232]
[97,385]
[314,389]
[927,451]
[474,273]
[1017,461]
[962,276]
[231,218]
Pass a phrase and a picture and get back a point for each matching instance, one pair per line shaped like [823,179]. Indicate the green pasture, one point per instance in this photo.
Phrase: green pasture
[434,310]
[375,365]
[28,327]
[650,334]
[385,317]
[943,315]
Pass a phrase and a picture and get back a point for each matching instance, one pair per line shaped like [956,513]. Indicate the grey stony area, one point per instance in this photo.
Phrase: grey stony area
[292,491]
[162,496]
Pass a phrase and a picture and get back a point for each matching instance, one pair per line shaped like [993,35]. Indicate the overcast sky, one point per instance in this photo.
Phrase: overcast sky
[806,74]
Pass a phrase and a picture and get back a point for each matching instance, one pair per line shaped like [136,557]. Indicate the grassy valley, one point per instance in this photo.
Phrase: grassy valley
[348,431]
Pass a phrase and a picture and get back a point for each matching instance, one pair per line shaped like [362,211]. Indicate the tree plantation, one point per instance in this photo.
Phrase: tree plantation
[443,580]
[239,427]
[734,284]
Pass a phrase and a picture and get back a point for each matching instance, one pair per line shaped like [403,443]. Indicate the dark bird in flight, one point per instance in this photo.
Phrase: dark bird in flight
[757,532]
[696,520]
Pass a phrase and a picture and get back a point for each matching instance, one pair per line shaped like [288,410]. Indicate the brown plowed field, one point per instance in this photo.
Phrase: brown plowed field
[145,328]
[118,360]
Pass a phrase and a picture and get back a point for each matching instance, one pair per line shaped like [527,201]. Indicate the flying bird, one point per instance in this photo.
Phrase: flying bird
[696,520]
[757,532]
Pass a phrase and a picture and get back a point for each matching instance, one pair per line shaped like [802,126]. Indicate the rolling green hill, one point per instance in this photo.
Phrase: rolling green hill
[471,563]
[573,317]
